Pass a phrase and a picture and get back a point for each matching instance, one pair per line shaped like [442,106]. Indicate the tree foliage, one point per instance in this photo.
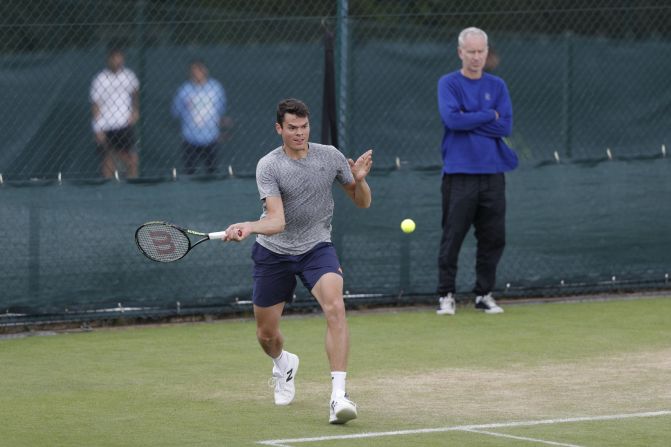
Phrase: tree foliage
[47,24]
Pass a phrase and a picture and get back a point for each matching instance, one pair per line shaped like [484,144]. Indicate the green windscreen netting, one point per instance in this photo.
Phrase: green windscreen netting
[571,228]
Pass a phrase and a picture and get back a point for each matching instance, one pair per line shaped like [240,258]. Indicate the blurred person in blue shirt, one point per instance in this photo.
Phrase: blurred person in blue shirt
[200,104]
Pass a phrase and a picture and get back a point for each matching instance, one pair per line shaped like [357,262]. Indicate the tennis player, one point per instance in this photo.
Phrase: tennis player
[294,239]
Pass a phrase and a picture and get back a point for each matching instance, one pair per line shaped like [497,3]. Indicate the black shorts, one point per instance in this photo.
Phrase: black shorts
[120,139]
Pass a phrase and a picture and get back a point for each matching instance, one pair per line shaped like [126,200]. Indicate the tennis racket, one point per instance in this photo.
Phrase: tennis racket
[165,242]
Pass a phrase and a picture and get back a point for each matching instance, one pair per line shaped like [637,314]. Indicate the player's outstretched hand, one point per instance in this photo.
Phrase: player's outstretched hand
[361,167]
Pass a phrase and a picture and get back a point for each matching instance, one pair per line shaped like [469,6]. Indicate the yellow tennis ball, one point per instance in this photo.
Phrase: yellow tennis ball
[408,225]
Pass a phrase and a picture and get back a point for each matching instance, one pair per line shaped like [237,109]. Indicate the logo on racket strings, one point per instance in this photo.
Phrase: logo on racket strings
[162,241]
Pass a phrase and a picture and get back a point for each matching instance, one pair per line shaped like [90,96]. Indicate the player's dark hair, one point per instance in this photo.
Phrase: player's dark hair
[293,106]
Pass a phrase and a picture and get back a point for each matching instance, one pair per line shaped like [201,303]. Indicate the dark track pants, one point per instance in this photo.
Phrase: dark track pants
[478,200]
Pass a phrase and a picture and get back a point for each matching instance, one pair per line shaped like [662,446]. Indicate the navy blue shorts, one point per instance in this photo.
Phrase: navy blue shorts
[275,274]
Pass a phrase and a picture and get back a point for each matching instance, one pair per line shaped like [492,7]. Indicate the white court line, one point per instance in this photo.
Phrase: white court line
[288,442]
[522,438]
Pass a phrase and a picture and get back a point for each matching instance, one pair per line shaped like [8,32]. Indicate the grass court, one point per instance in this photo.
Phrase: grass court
[586,374]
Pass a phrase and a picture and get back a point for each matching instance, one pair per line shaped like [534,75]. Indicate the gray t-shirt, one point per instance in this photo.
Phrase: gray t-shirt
[305,186]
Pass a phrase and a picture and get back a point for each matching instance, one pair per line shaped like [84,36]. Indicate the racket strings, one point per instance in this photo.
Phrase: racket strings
[162,242]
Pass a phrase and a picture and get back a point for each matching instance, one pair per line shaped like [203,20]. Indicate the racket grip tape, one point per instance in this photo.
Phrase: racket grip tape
[220,234]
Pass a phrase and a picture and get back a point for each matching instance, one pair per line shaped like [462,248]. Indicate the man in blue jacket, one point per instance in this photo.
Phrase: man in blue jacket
[477,114]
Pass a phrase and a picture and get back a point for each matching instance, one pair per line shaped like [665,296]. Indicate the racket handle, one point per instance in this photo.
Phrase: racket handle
[217,235]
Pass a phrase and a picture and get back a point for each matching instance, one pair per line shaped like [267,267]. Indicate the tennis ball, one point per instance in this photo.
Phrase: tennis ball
[408,225]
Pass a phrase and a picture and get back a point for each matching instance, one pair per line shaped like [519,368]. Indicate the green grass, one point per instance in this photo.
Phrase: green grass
[206,384]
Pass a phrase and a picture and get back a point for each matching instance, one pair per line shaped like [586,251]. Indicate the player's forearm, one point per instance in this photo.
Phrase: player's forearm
[362,195]
[268,225]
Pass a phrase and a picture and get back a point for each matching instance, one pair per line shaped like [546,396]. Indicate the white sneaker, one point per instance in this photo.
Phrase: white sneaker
[342,410]
[284,381]
[488,304]
[447,305]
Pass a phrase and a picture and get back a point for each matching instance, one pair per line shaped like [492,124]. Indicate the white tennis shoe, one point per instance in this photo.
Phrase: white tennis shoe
[446,305]
[342,410]
[487,303]
[285,381]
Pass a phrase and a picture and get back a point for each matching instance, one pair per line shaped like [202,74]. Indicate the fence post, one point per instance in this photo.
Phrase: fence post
[34,228]
[141,25]
[567,93]
[342,60]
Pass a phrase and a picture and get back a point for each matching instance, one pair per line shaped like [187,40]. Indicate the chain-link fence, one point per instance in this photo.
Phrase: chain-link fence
[181,95]
[584,76]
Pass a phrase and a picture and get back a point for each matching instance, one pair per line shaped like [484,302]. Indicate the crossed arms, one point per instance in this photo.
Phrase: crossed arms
[496,122]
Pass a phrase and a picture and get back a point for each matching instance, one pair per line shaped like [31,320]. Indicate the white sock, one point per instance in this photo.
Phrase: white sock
[338,383]
[281,362]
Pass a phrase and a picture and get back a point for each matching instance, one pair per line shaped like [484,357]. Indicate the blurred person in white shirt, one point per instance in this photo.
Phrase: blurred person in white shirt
[115,108]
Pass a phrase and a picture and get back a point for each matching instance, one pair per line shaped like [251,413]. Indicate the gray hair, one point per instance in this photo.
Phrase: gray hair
[469,31]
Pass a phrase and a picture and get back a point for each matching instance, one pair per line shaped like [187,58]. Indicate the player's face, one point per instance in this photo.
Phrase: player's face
[473,55]
[295,132]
